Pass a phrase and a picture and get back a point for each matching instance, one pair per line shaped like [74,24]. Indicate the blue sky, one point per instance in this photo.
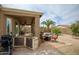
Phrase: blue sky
[62,14]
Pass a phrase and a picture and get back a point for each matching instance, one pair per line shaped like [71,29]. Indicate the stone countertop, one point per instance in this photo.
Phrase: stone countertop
[22,36]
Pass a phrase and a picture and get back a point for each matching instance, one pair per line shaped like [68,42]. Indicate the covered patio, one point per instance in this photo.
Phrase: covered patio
[23,25]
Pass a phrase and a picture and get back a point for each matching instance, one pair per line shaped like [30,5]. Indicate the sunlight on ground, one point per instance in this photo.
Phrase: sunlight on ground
[69,46]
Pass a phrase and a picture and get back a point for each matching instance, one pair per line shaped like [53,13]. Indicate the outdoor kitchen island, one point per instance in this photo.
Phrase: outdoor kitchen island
[26,41]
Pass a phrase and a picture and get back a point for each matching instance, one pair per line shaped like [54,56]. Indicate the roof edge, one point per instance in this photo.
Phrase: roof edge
[20,10]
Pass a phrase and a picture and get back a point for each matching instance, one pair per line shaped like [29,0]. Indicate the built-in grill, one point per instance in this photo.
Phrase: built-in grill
[6,44]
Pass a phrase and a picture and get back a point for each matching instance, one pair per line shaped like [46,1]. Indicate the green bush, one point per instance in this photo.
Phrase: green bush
[75,28]
[56,31]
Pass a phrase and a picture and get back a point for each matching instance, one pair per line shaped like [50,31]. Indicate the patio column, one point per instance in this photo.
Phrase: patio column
[37,28]
[2,24]
[19,28]
[32,27]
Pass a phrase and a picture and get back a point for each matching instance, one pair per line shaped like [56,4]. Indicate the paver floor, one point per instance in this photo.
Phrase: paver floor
[44,49]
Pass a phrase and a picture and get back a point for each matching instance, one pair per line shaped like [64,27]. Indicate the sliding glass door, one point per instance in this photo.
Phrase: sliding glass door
[8,25]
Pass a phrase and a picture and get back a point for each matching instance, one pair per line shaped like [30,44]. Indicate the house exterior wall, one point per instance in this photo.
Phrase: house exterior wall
[2,24]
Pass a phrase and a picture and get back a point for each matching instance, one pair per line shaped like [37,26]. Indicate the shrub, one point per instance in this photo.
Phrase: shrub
[56,31]
[75,28]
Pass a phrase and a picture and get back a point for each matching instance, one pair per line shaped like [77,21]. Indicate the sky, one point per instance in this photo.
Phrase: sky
[61,14]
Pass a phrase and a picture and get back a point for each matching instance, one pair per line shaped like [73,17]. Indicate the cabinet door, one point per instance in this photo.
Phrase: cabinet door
[35,44]
[19,42]
[29,42]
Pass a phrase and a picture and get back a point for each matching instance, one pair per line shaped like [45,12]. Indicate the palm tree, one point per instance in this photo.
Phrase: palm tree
[47,23]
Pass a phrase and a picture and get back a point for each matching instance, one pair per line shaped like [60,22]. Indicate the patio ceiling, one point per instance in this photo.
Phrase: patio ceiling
[23,20]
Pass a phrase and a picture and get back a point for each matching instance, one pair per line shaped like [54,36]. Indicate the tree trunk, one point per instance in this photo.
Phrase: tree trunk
[48,28]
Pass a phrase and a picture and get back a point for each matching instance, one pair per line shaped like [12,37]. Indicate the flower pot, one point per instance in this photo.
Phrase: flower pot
[54,37]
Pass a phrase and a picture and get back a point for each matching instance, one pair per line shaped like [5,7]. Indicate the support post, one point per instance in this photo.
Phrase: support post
[37,28]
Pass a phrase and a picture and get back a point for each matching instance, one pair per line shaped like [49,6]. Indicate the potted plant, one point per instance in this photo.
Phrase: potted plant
[56,32]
